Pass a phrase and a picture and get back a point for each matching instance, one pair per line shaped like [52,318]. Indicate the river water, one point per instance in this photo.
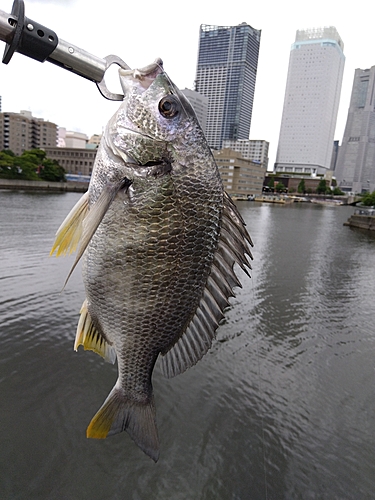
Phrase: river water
[282,407]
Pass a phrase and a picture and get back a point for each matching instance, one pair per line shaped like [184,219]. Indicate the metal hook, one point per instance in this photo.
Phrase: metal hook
[111,59]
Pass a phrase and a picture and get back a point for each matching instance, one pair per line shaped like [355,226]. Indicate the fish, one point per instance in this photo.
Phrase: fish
[161,244]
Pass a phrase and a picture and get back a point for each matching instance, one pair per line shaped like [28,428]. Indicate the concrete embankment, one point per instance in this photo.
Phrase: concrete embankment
[361,221]
[79,187]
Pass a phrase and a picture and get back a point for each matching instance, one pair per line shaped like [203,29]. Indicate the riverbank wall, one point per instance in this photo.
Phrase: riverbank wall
[21,185]
[361,221]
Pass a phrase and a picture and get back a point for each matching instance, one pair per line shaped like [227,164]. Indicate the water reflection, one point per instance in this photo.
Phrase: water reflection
[283,403]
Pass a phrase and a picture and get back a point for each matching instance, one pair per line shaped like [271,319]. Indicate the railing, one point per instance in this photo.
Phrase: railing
[370,211]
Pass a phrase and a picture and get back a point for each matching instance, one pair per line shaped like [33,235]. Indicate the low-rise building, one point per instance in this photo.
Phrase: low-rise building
[95,140]
[240,176]
[292,181]
[72,139]
[255,150]
[77,161]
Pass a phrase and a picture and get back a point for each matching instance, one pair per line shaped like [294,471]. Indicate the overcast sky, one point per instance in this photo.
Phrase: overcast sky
[140,31]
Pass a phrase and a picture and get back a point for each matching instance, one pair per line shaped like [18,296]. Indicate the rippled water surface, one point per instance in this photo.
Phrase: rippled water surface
[282,407]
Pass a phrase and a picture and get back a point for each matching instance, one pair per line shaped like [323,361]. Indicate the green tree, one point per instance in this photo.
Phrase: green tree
[6,164]
[280,187]
[26,167]
[337,191]
[51,171]
[301,186]
[368,199]
[15,167]
[271,183]
[38,154]
[9,152]
[322,187]
[31,165]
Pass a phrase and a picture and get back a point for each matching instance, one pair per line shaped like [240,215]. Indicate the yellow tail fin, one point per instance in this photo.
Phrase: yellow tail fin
[119,413]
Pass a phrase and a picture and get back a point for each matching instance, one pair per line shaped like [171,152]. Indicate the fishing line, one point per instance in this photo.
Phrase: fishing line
[257,341]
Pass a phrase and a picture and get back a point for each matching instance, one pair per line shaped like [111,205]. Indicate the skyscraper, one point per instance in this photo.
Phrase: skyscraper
[311,103]
[355,168]
[226,74]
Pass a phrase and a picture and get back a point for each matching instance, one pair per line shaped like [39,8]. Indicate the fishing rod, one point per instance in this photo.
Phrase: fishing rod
[34,40]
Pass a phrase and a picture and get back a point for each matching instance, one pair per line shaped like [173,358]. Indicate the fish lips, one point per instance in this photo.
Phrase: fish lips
[142,78]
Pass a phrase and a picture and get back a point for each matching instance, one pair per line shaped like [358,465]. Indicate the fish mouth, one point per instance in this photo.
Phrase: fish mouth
[136,82]
[143,76]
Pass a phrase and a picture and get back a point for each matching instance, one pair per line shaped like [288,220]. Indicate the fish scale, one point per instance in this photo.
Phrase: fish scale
[159,239]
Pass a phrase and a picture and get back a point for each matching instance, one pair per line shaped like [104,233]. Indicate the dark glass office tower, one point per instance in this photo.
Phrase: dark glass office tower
[226,74]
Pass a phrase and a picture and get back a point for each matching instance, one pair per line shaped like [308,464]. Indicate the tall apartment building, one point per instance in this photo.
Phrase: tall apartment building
[21,131]
[255,150]
[355,168]
[240,176]
[226,75]
[311,103]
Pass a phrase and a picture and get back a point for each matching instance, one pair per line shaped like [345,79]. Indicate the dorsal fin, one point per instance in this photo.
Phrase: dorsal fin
[233,248]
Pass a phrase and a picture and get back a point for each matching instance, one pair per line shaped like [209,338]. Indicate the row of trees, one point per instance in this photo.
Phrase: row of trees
[32,165]
[322,188]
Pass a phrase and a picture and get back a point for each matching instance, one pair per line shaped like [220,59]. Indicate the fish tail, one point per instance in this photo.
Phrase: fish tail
[119,413]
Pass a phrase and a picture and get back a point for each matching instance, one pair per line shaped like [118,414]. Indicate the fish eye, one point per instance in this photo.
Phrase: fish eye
[169,106]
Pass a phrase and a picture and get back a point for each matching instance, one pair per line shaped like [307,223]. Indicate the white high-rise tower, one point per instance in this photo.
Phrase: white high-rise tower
[312,97]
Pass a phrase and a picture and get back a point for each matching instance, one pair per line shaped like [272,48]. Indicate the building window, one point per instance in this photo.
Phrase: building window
[362,93]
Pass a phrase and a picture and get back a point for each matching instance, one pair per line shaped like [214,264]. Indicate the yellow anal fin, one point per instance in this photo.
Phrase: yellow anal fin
[88,336]
[69,233]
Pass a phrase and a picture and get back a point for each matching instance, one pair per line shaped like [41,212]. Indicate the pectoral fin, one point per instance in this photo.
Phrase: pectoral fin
[89,336]
[70,231]
[95,216]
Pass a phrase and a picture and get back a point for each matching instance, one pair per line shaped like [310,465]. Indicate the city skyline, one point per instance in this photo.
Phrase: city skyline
[66,99]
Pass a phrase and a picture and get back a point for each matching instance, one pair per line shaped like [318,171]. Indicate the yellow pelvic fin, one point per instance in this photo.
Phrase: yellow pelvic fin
[69,233]
[88,336]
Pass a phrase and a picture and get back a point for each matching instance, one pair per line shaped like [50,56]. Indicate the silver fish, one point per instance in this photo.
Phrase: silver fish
[159,239]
